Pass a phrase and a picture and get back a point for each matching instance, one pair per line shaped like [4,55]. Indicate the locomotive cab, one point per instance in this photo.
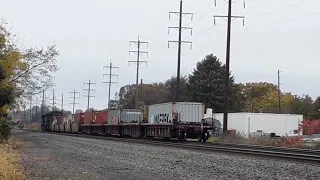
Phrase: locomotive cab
[47,119]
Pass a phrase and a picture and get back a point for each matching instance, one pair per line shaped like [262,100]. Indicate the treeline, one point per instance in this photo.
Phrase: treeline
[33,115]
[24,72]
[206,84]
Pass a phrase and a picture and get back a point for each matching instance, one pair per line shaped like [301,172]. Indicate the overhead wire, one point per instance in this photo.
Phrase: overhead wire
[286,7]
[267,4]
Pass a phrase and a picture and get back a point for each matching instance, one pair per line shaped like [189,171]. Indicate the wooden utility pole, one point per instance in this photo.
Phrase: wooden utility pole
[227,74]
[279,93]
[179,42]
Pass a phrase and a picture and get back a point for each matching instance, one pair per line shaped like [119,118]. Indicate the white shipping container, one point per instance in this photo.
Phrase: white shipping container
[246,123]
[124,116]
[187,112]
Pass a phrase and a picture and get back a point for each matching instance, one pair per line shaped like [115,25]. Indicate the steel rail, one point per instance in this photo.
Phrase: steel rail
[289,154]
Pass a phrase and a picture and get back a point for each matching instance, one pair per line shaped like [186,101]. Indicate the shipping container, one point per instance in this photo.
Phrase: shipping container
[100,117]
[79,118]
[265,123]
[188,112]
[113,116]
[95,117]
[124,116]
[131,115]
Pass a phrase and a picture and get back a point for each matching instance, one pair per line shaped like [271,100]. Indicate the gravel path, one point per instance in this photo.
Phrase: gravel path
[48,156]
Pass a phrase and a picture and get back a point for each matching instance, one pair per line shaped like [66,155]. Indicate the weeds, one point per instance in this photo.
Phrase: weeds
[35,127]
[9,168]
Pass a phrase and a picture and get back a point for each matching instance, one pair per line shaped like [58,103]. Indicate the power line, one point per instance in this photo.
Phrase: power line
[89,92]
[267,4]
[278,22]
[227,74]
[74,97]
[110,67]
[179,42]
[138,62]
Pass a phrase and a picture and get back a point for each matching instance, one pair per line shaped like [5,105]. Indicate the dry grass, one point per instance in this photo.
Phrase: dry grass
[9,167]
[34,126]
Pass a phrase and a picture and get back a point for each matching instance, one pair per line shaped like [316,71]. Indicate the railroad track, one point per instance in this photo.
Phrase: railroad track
[289,154]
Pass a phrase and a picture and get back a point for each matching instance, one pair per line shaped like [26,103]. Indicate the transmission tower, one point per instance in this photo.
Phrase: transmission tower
[75,95]
[138,62]
[54,100]
[180,28]
[230,18]
[89,92]
[62,102]
[110,67]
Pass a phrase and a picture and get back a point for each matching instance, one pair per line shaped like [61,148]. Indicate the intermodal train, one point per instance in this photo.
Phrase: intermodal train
[180,120]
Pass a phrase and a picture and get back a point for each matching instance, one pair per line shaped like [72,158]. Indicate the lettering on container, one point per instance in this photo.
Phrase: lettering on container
[162,118]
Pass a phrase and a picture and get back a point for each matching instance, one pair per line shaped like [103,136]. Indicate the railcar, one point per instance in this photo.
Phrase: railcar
[167,120]
[181,131]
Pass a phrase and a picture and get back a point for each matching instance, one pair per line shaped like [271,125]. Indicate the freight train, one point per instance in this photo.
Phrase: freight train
[180,120]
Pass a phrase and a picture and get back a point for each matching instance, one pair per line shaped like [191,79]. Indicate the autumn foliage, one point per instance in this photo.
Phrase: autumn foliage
[309,127]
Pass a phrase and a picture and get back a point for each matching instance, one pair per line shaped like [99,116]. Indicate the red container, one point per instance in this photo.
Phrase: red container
[100,117]
[88,117]
[79,118]
[96,117]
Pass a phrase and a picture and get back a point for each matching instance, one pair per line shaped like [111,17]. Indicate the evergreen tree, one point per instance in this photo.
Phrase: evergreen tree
[206,83]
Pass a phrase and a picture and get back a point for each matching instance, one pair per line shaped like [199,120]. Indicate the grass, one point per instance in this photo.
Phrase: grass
[34,126]
[294,142]
[9,167]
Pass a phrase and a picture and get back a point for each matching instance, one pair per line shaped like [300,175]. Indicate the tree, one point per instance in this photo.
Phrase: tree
[21,71]
[171,86]
[315,114]
[263,96]
[206,83]
[148,94]
[302,105]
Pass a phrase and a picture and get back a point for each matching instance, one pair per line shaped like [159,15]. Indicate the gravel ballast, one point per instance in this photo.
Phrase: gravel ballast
[51,156]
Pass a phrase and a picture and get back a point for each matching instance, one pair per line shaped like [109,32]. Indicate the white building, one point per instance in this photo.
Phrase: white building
[249,123]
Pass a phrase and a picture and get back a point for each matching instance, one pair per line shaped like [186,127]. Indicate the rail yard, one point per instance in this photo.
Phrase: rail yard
[103,159]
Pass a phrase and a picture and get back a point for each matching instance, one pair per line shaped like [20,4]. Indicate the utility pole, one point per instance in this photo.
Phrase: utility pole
[89,92]
[110,67]
[36,109]
[138,62]
[74,97]
[54,100]
[30,109]
[24,112]
[279,93]
[179,42]
[42,104]
[227,76]
[62,102]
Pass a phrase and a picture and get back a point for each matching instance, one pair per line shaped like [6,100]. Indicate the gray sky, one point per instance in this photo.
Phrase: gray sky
[88,33]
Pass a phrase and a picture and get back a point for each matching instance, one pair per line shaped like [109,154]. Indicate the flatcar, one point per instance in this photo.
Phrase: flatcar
[53,121]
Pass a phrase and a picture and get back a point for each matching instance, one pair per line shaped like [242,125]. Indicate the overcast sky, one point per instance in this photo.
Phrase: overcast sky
[278,34]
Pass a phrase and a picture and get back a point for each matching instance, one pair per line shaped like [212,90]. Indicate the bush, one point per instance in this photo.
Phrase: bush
[5,130]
